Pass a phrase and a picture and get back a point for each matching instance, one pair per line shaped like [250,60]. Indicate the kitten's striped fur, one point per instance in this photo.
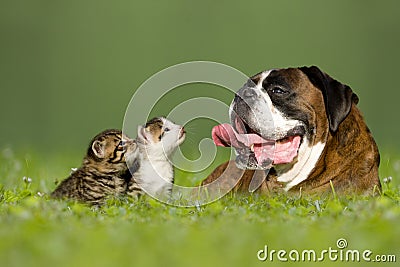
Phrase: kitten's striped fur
[104,171]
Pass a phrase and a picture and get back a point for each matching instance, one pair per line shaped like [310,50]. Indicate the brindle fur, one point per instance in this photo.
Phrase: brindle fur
[103,172]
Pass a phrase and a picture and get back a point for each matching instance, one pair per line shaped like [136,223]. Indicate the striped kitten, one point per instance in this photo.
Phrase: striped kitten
[103,172]
[157,140]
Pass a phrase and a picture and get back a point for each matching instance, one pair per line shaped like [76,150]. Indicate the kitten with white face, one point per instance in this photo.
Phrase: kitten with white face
[157,140]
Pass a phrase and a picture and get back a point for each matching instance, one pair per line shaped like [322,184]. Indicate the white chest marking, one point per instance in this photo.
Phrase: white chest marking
[307,158]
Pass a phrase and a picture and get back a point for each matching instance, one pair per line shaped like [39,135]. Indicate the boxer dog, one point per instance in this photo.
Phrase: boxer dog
[297,129]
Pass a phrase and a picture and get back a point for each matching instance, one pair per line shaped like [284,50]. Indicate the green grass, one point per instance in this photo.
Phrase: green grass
[37,231]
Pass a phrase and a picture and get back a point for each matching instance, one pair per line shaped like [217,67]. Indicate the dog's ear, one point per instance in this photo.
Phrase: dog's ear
[338,97]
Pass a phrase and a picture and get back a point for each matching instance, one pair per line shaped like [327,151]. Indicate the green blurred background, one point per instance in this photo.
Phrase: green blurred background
[68,69]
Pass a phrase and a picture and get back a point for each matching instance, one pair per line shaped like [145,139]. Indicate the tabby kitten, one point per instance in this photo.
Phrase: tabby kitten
[104,171]
[157,140]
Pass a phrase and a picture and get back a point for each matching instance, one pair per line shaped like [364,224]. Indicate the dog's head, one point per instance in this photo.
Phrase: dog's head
[281,112]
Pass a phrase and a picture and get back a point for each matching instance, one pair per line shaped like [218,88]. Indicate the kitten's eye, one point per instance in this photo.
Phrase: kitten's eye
[167,129]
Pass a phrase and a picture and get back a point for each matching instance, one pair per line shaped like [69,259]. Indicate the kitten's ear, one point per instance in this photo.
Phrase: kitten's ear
[142,135]
[98,149]
[134,145]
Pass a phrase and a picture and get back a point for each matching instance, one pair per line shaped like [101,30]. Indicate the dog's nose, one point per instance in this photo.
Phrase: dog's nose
[248,93]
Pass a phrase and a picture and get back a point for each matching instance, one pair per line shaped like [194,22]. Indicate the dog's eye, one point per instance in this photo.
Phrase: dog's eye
[278,91]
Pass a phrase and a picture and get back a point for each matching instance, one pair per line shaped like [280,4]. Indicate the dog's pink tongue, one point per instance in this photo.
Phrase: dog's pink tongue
[264,152]
[280,152]
[224,135]
[286,151]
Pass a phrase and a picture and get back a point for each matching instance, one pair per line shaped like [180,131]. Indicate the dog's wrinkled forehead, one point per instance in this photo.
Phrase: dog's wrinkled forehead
[274,76]
[259,77]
